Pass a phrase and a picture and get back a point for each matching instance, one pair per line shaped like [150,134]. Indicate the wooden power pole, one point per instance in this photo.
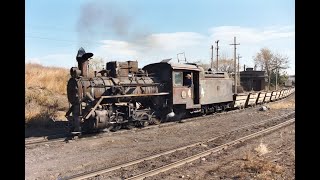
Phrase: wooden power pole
[211,58]
[217,48]
[235,64]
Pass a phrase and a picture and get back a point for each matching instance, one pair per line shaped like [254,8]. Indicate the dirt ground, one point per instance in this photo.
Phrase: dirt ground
[266,158]
[52,161]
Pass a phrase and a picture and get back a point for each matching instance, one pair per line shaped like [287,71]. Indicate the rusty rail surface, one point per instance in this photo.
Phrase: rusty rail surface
[46,139]
[106,170]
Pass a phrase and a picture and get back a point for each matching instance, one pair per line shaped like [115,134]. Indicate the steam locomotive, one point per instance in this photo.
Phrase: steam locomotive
[123,95]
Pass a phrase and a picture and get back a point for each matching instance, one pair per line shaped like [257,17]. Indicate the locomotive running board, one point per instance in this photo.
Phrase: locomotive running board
[120,96]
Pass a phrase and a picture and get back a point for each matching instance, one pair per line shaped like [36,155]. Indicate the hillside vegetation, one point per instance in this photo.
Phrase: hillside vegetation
[45,94]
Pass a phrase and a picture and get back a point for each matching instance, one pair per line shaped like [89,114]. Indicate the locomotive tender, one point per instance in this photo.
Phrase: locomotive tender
[123,95]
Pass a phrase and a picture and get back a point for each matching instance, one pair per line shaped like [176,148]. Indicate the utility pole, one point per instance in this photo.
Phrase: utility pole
[276,79]
[211,57]
[276,74]
[235,65]
[217,48]
[238,68]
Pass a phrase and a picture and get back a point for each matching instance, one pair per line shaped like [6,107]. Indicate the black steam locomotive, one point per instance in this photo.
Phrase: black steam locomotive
[123,95]
[120,95]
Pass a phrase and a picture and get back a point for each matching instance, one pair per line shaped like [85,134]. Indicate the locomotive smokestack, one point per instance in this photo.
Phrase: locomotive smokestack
[83,61]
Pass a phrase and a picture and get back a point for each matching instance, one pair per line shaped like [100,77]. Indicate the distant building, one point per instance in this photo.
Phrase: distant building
[290,81]
[253,80]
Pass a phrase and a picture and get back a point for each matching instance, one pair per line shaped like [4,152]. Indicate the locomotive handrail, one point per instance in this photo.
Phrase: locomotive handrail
[119,96]
[138,84]
[129,85]
[134,95]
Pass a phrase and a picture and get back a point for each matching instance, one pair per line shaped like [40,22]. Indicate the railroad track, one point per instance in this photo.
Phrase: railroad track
[206,147]
[66,137]
[210,151]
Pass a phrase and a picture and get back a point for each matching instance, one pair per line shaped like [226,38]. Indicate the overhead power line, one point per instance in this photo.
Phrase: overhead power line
[64,40]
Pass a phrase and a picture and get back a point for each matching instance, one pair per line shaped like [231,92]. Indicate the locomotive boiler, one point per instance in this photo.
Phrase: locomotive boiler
[122,95]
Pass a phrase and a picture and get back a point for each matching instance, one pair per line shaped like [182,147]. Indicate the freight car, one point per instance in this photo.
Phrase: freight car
[123,95]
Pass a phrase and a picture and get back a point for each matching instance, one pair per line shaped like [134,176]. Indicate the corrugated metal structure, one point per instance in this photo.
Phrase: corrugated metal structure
[290,81]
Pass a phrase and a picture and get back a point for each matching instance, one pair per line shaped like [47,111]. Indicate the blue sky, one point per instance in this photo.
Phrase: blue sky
[149,31]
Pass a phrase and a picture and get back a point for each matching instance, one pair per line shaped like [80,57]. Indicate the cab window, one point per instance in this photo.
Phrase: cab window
[177,78]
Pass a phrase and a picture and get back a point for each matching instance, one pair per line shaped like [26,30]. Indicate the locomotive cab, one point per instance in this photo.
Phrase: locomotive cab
[186,84]
[183,83]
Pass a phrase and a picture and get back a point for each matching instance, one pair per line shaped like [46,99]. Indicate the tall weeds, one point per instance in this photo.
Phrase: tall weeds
[45,93]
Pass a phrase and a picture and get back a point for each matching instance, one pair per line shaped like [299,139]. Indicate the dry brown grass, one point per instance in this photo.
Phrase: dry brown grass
[283,104]
[262,149]
[51,78]
[45,93]
[262,168]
